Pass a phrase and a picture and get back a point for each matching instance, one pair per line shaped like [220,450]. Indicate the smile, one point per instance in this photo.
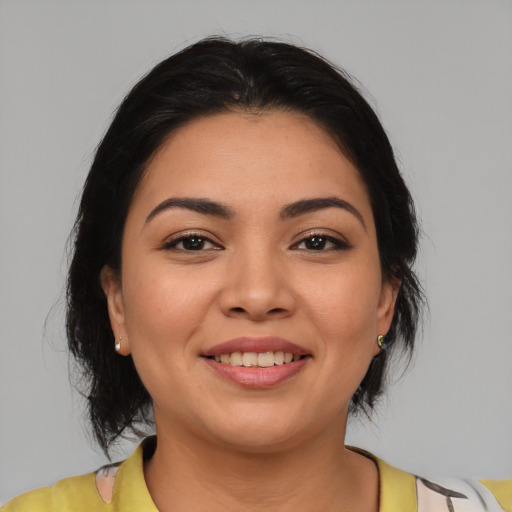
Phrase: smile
[257,360]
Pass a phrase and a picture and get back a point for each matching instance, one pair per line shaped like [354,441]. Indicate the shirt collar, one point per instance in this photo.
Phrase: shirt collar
[397,488]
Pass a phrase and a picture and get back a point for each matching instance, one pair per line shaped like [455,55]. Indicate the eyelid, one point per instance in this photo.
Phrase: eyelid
[339,241]
[173,240]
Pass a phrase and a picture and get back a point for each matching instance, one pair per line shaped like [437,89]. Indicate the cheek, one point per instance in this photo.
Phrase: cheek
[344,303]
[163,309]
[162,313]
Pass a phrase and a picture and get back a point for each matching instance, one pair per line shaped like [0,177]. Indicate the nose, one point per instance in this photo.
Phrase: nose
[257,287]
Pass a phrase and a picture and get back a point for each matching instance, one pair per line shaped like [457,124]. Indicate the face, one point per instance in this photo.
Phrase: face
[249,242]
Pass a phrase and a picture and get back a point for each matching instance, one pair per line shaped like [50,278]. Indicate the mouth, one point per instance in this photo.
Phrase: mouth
[257,362]
[266,359]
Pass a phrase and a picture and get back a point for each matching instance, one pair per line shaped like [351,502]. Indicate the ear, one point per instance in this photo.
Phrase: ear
[386,307]
[111,285]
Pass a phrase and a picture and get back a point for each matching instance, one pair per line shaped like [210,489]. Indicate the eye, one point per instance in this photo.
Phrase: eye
[321,242]
[191,242]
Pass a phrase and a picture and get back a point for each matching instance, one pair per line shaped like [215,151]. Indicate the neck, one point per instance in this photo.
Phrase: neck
[189,473]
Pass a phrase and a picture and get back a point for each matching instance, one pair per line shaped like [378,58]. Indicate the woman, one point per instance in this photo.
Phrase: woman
[242,273]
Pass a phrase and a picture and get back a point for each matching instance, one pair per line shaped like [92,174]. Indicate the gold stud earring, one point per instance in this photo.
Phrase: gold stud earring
[118,344]
[380,341]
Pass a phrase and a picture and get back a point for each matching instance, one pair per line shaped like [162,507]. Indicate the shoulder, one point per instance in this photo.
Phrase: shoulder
[117,487]
[502,489]
[407,492]
[464,494]
[70,494]
[404,492]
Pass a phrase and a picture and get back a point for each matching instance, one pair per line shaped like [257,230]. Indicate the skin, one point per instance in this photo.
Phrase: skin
[222,446]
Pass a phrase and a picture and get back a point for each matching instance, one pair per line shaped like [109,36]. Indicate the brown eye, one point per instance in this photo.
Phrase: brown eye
[321,243]
[315,243]
[191,243]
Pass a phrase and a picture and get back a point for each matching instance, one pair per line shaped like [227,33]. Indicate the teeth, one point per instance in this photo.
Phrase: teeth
[235,359]
[257,359]
[250,359]
[266,359]
[279,357]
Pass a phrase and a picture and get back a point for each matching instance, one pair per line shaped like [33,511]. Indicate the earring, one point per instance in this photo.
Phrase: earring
[118,344]
[380,341]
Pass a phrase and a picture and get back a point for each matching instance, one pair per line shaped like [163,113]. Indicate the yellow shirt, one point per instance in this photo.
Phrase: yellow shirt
[121,488]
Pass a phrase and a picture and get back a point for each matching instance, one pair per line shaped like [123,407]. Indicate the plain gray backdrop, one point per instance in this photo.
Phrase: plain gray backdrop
[439,73]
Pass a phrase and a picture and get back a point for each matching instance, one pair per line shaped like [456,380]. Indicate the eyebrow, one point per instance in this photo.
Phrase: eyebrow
[319,203]
[204,206]
[215,209]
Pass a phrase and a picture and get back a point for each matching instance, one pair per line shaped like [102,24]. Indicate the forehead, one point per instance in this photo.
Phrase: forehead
[240,158]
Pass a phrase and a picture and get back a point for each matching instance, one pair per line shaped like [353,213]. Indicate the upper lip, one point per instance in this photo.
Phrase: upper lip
[255,344]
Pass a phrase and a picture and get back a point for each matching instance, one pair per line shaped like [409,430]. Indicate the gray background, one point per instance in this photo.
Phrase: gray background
[441,75]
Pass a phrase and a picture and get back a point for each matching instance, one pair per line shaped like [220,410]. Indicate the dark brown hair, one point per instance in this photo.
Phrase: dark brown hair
[218,75]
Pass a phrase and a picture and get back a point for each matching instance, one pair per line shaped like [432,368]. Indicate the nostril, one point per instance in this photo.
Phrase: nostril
[270,312]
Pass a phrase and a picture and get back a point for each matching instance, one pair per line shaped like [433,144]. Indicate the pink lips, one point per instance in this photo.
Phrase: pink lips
[266,344]
[252,377]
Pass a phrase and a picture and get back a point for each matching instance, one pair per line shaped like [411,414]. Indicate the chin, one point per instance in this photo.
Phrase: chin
[267,442]
[265,432]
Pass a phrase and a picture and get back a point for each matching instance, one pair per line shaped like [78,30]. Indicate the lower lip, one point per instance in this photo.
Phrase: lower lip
[257,378]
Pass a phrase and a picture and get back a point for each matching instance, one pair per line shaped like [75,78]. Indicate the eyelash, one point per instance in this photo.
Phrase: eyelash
[337,244]
[172,244]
